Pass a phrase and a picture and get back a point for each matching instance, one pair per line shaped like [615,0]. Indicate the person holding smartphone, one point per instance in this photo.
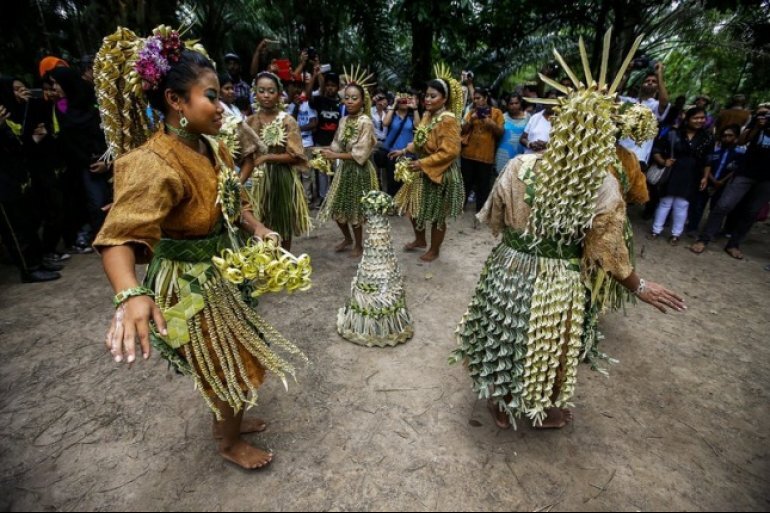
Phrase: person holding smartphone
[482,128]
[18,216]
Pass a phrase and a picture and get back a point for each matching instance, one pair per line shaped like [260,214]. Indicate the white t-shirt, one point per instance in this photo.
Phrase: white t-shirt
[538,129]
[232,110]
[380,130]
[306,113]
[644,150]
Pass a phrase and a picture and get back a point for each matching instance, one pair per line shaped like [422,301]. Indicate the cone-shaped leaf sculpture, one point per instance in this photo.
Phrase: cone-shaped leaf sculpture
[376,313]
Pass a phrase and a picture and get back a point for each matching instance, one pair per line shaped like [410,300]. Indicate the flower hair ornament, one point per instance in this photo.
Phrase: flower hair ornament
[361,78]
[126,68]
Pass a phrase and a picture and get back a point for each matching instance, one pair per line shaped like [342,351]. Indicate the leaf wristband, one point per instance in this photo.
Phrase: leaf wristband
[123,295]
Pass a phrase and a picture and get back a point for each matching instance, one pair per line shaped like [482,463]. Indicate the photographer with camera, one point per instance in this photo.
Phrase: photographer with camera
[325,101]
[750,187]
[653,95]
[20,210]
[482,128]
[401,120]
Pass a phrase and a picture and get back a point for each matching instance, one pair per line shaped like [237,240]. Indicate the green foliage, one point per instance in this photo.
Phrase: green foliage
[713,46]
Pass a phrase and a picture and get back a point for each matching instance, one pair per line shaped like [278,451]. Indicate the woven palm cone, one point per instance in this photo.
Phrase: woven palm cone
[376,313]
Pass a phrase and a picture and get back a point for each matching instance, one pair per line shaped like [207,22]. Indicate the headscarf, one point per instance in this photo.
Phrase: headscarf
[81,101]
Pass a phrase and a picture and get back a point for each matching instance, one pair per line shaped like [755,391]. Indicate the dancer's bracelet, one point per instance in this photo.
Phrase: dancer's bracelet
[641,289]
[123,295]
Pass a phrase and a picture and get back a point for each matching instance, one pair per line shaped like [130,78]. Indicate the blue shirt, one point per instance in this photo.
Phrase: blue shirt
[405,134]
[724,161]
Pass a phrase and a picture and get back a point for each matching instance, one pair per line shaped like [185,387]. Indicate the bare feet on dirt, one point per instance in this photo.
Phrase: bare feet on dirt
[415,245]
[343,246]
[430,256]
[500,417]
[244,455]
[248,425]
[557,418]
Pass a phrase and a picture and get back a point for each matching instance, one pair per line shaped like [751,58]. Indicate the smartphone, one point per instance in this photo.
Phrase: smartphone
[35,94]
[284,69]
[326,68]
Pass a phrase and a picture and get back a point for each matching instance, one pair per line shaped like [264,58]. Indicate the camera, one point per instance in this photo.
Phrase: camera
[643,62]
[35,94]
[312,53]
[483,113]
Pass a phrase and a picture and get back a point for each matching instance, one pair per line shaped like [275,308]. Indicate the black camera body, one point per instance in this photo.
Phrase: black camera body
[643,62]
[483,113]
[312,53]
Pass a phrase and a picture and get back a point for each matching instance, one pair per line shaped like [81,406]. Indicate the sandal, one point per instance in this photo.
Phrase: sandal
[698,248]
[735,253]
[653,236]
[673,240]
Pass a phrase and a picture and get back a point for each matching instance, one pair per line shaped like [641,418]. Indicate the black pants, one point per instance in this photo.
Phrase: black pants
[753,193]
[391,185]
[18,230]
[49,198]
[477,177]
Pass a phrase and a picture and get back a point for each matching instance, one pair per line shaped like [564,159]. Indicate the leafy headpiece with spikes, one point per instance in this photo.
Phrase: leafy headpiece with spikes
[360,77]
[454,88]
[580,151]
[125,68]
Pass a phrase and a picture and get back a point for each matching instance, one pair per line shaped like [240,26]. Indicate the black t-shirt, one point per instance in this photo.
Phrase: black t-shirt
[757,163]
[328,110]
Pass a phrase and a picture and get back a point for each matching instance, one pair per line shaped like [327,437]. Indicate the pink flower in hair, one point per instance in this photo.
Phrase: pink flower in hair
[152,65]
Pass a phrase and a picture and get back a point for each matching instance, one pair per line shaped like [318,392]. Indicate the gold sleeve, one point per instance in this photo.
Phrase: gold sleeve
[447,135]
[605,244]
[364,144]
[335,146]
[249,140]
[146,189]
[294,145]
[637,193]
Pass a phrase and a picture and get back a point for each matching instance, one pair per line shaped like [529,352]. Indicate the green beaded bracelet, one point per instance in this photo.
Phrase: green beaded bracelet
[123,295]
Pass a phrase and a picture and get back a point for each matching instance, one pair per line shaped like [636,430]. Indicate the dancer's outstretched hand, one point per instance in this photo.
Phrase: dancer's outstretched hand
[661,298]
[132,321]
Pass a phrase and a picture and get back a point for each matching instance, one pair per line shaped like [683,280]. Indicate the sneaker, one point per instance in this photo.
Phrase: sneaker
[39,276]
[51,266]
[54,259]
[63,257]
[80,250]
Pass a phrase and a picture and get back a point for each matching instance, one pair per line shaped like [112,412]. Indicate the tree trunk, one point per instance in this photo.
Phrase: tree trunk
[600,27]
[422,52]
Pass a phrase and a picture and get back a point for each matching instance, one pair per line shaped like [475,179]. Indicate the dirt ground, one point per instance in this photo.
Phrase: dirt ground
[682,423]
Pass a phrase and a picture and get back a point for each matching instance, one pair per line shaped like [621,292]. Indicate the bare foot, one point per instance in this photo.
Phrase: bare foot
[430,256]
[342,246]
[248,425]
[500,417]
[735,253]
[698,248]
[245,455]
[557,418]
[357,253]
[415,245]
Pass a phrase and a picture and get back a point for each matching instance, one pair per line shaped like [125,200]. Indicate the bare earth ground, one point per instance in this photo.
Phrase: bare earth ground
[681,424]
